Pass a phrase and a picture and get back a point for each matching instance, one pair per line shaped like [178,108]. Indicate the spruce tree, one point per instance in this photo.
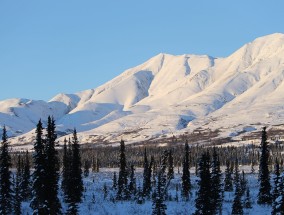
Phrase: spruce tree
[264,196]
[52,169]
[243,183]
[170,165]
[114,181]
[276,193]
[105,191]
[38,203]
[5,176]
[228,181]
[216,184]
[26,182]
[122,191]
[279,204]
[86,168]
[132,181]
[247,202]
[17,189]
[237,207]
[203,196]
[186,185]
[158,204]
[75,182]
[66,162]
[146,175]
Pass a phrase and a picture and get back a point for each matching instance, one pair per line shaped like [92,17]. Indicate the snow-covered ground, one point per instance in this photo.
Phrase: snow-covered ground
[94,202]
[168,95]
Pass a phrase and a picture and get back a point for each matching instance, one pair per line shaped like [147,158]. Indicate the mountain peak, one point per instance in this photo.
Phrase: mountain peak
[170,94]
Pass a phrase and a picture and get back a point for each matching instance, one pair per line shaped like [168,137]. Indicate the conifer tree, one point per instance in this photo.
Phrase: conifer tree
[132,181]
[105,191]
[26,181]
[52,169]
[186,185]
[236,173]
[66,162]
[86,168]
[146,175]
[114,181]
[228,181]
[38,203]
[264,196]
[159,206]
[122,191]
[216,184]
[203,200]
[243,183]
[75,183]
[170,165]
[237,207]
[276,193]
[247,202]
[17,189]
[5,176]
[95,164]
[278,208]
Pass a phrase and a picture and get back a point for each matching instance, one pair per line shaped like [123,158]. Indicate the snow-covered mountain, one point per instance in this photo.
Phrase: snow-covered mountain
[168,95]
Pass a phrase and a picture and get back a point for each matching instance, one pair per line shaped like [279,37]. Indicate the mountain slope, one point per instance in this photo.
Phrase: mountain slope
[169,95]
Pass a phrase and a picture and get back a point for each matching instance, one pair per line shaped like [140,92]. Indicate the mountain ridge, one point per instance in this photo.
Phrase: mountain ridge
[168,95]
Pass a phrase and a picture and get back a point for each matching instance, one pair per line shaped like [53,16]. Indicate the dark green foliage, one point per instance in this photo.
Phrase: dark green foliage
[114,181]
[264,196]
[26,178]
[170,165]
[95,164]
[216,184]
[276,193]
[243,183]
[139,198]
[147,175]
[38,203]
[159,206]
[236,173]
[228,182]
[74,189]
[247,202]
[66,163]
[122,191]
[5,176]
[237,207]
[52,169]
[46,173]
[87,166]
[186,185]
[17,188]
[76,169]
[203,195]
[105,191]
[132,181]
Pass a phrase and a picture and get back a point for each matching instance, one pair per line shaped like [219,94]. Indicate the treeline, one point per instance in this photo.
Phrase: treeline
[54,170]
[41,186]
[212,184]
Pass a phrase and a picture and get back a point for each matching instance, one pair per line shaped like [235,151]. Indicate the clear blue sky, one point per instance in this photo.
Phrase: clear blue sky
[48,47]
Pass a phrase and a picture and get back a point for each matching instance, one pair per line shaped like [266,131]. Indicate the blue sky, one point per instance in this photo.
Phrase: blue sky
[49,47]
